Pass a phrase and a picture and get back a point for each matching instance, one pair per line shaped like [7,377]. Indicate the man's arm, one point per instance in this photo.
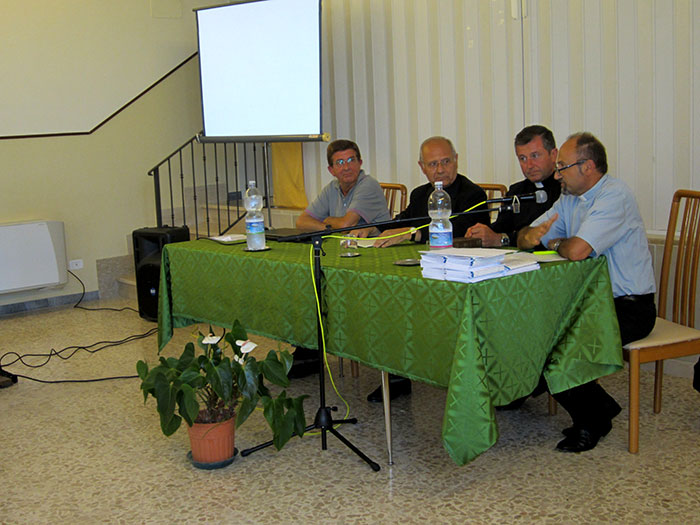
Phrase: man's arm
[573,248]
[307,222]
[351,218]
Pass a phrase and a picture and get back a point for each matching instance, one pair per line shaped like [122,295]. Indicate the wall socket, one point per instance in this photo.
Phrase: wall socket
[75,264]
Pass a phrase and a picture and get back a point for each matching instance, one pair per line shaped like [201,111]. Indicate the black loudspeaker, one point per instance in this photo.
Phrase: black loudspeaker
[148,246]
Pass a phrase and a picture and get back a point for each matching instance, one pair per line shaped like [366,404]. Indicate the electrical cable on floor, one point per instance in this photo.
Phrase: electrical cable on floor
[77,305]
[101,345]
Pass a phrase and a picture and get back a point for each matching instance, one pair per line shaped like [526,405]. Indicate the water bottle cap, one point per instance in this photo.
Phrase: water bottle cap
[251,184]
[438,184]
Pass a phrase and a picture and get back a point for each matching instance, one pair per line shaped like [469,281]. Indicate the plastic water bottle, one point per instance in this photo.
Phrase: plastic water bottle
[254,223]
[440,209]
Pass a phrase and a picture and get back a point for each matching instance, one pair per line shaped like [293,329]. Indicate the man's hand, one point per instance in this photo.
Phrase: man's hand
[530,236]
[383,243]
[489,238]
[364,232]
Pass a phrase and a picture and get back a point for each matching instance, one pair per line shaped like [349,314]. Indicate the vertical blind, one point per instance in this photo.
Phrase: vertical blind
[398,71]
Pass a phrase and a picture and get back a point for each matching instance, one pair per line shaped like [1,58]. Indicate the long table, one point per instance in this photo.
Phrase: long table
[486,342]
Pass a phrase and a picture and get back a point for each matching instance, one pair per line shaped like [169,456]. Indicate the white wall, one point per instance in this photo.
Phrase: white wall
[68,65]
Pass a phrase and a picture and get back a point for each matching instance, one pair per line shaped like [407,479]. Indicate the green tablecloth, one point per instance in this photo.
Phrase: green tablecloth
[486,342]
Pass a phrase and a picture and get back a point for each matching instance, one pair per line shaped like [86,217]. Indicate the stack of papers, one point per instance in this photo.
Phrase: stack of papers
[471,265]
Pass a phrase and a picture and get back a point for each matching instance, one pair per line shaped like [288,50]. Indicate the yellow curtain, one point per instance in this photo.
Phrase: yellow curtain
[288,175]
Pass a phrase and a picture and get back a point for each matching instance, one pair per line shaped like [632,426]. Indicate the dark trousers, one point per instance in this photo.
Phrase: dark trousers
[589,405]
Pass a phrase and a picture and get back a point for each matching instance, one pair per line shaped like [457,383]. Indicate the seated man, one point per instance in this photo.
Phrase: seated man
[353,198]
[438,161]
[597,215]
[537,153]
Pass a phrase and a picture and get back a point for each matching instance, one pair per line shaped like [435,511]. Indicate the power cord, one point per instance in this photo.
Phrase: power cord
[101,345]
[82,296]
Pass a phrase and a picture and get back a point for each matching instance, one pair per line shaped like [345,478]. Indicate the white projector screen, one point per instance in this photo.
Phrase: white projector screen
[260,69]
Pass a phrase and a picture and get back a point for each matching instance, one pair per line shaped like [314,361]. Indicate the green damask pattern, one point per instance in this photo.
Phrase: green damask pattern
[486,342]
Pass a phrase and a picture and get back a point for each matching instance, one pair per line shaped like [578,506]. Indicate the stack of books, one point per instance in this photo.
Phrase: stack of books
[471,265]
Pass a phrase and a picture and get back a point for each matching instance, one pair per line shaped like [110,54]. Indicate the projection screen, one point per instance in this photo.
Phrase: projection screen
[260,70]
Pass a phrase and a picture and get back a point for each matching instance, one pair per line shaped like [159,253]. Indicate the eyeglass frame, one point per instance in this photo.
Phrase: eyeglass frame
[577,163]
[341,162]
[433,164]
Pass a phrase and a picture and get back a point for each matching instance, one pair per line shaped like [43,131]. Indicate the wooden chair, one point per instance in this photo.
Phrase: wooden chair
[673,335]
[394,194]
[391,192]
[493,191]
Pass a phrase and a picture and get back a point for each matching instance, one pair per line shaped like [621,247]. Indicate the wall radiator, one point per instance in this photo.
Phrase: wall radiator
[32,255]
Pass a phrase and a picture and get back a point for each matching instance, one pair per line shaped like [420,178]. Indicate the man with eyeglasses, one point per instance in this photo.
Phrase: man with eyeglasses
[353,198]
[438,161]
[537,154]
[597,215]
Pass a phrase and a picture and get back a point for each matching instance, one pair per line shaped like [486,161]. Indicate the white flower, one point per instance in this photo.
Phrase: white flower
[246,346]
[211,339]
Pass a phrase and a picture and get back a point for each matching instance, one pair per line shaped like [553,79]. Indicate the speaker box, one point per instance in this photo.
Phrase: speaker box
[148,247]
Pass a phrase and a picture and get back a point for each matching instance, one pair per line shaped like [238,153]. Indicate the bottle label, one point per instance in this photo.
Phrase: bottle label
[255,226]
[441,239]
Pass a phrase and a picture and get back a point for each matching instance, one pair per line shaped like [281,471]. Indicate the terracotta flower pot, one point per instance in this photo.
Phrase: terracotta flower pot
[212,442]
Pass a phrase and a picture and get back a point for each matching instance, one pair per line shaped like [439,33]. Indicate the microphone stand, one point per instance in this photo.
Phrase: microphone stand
[323,420]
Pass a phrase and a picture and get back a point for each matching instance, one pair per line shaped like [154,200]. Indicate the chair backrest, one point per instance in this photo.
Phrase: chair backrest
[685,204]
[493,191]
[391,191]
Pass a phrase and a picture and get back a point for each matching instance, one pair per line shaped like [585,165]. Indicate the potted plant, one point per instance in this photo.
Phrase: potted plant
[220,380]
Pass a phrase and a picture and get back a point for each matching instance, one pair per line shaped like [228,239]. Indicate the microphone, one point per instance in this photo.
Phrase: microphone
[539,197]
[513,202]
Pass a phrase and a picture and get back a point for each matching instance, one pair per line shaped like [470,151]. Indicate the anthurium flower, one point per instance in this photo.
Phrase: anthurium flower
[246,346]
[211,339]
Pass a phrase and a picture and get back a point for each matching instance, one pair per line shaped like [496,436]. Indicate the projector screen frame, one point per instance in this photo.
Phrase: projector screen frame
[292,137]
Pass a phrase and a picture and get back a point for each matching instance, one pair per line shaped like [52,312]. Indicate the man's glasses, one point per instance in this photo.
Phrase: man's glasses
[559,170]
[342,162]
[433,164]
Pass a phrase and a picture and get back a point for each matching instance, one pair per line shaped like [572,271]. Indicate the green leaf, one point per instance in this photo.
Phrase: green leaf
[166,396]
[214,378]
[190,376]
[186,358]
[171,426]
[245,409]
[142,369]
[274,371]
[189,407]
[284,431]
[287,360]
[238,332]
[299,419]
[226,376]
[248,380]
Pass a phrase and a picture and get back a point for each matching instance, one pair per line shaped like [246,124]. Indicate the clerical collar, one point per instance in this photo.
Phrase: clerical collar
[539,185]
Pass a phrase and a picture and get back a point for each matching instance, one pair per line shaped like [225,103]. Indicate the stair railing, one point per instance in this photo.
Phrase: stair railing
[201,185]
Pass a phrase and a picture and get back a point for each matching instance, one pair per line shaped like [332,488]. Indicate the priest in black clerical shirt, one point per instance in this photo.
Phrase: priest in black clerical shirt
[537,154]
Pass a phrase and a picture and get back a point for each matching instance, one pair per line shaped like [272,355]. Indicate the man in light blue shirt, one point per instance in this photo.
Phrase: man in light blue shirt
[597,215]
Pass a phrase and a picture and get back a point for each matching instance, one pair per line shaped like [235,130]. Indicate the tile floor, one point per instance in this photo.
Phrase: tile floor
[93,452]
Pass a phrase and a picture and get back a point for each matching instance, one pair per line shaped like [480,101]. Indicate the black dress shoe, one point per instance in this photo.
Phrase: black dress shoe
[603,431]
[398,386]
[579,440]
